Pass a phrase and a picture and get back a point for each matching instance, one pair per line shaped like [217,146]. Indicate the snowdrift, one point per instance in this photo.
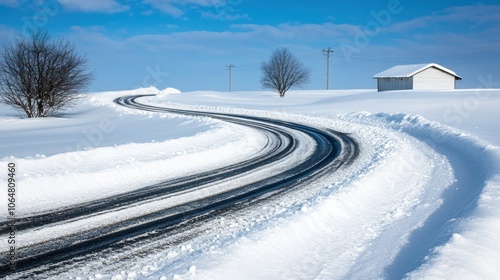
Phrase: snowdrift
[421,201]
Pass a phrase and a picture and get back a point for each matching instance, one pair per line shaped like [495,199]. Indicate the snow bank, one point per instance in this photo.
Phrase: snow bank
[422,201]
[459,215]
[466,247]
[335,235]
[168,90]
[100,149]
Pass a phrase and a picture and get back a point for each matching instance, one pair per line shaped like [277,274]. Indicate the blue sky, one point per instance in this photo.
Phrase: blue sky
[187,44]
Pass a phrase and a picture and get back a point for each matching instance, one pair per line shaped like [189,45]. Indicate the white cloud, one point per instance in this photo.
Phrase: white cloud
[409,25]
[302,32]
[223,14]
[10,3]
[177,8]
[464,15]
[474,13]
[167,7]
[89,6]
[247,35]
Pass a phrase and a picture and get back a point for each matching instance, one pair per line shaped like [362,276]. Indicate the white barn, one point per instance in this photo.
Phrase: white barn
[416,76]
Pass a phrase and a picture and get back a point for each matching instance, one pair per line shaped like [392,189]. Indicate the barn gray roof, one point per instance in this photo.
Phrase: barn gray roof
[405,71]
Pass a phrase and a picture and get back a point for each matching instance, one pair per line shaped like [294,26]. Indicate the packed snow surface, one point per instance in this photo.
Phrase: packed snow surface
[422,200]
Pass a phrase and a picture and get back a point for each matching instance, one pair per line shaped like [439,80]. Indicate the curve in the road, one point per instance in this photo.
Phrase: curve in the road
[332,149]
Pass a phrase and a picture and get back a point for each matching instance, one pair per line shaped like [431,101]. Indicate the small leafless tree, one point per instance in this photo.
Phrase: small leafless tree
[41,76]
[283,71]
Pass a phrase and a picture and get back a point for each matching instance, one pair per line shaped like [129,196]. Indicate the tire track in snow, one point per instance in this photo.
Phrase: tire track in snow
[331,150]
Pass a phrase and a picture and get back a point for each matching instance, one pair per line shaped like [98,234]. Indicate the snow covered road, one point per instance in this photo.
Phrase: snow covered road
[292,155]
[421,200]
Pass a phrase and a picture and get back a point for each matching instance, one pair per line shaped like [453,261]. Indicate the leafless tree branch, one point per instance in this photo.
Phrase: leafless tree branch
[40,76]
[283,71]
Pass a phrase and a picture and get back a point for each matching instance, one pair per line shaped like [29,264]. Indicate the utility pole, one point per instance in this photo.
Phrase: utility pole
[328,51]
[230,66]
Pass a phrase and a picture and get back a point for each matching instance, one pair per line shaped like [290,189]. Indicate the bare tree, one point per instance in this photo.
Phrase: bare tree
[41,76]
[283,71]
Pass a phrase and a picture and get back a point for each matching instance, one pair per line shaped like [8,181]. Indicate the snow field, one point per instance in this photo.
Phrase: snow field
[98,176]
[422,201]
[452,150]
[469,249]
[337,228]
[160,203]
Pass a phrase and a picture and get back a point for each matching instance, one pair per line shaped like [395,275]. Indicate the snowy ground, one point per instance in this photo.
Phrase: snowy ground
[421,201]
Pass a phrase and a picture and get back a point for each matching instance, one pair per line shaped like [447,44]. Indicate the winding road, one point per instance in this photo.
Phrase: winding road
[180,199]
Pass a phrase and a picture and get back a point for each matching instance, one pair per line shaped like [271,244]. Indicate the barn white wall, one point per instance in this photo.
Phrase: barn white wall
[433,78]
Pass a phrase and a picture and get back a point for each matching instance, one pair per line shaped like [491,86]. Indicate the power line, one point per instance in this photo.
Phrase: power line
[328,51]
[230,66]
